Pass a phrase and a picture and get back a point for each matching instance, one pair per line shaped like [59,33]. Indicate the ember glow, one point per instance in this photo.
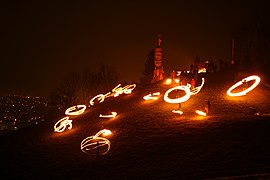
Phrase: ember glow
[96,144]
[153,96]
[177,100]
[177,111]
[244,92]
[113,115]
[202,70]
[168,81]
[200,113]
[62,124]
[75,110]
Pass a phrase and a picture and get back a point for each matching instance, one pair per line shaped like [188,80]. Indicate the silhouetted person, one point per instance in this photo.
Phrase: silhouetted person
[179,106]
[173,74]
[244,86]
[254,111]
[208,107]
[193,83]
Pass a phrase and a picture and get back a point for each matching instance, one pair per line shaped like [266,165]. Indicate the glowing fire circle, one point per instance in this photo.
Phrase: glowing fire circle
[99,97]
[75,110]
[177,100]
[91,145]
[62,124]
[96,144]
[244,92]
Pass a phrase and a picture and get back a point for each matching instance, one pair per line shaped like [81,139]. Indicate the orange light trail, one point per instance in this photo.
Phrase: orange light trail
[200,113]
[177,111]
[177,100]
[244,92]
[151,96]
[79,110]
[92,143]
[62,124]
[113,115]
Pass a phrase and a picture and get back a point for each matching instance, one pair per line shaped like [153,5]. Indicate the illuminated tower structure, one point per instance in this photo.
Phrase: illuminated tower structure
[158,71]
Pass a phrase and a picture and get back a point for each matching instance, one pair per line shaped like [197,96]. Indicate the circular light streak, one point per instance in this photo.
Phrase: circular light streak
[244,92]
[120,90]
[62,124]
[99,97]
[79,109]
[177,100]
[92,144]
[129,88]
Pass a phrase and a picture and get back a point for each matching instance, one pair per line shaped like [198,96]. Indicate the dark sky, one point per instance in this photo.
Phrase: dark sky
[42,41]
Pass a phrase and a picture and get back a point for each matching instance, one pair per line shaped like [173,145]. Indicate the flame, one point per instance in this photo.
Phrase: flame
[151,96]
[113,115]
[62,124]
[97,143]
[244,92]
[202,70]
[168,81]
[79,110]
[176,80]
[200,113]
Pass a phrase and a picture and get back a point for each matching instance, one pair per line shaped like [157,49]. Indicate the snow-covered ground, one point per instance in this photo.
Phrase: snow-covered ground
[149,141]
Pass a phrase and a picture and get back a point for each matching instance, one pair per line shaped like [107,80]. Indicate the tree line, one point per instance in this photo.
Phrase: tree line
[79,87]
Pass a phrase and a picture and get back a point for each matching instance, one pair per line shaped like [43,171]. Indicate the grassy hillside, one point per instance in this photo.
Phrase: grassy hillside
[149,141]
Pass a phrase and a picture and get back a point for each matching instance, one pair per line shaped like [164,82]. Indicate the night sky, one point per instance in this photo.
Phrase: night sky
[42,41]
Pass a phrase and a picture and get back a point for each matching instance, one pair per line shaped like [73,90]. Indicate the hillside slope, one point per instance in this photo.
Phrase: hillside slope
[149,141]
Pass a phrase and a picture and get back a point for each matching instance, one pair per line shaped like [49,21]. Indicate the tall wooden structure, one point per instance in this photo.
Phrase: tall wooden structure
[158,71]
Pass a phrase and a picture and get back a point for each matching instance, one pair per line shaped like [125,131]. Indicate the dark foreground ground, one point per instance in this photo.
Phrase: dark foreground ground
[151,142]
